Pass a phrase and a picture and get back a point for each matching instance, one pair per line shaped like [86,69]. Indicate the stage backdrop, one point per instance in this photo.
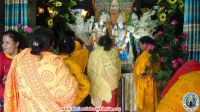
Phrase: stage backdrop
[104,5]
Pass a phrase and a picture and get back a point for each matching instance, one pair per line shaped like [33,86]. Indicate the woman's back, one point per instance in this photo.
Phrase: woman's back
[39,84]
[104,71]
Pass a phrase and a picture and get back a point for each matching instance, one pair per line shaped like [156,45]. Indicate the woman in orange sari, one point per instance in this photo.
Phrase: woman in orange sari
[146,89]
[39,81]
[66,48]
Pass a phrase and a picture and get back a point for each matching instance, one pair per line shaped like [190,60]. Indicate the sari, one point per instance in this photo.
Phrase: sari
[83,82]
[146,88]
[173,100]
[104,73]
[80,56]
[39,84]
[187,67]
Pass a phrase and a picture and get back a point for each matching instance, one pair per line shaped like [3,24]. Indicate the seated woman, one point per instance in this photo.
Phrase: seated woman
[104,72]
[39,80]
[12,43]
[66,48]
[173,101]
[146,89]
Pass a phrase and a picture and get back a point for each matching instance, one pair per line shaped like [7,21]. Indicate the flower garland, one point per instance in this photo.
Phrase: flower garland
[172,50]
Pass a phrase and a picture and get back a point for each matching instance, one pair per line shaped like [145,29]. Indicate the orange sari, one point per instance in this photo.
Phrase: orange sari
[39,84]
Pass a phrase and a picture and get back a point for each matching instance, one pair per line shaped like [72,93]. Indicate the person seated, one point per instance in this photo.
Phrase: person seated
[12,43]
[146,87]
[104,73]
[66,47]
[173,101]
[187,67]
[38,80]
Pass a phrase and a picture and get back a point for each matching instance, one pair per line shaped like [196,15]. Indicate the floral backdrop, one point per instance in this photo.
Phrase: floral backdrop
[170,39]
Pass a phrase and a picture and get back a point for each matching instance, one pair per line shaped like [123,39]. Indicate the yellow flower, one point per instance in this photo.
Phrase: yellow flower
[50,22]
[172,1]
[161,9]
[58,4]
[181,4]
[162,17]
[55,13]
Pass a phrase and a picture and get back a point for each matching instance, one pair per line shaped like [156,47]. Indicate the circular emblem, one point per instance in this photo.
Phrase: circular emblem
[190,102]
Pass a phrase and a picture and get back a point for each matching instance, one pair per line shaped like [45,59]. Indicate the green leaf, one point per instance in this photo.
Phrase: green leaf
[173,6]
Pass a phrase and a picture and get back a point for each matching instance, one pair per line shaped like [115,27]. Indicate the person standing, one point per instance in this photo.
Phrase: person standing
[12,43]
[146,88]
[104,73]
[39,80]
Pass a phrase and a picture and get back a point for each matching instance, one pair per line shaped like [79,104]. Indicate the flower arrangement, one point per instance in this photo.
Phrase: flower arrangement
[172,50]
[144,26]
[85,28]
[59,14]
[168,9]
[25,31]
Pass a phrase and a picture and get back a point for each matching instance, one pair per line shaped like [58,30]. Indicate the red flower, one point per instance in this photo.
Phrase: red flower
[174,64]
[184,35]
[180,60]
[19,25]
[184,47]
[174,22]
[28,29]
[150,47]
[160,32]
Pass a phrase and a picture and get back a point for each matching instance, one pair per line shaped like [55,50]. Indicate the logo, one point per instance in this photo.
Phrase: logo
[190,102]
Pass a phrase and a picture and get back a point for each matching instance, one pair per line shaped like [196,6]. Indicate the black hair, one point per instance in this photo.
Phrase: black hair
[70,33]
[106,42]
[16,37]
[66,45]
[42,40]
[147,40]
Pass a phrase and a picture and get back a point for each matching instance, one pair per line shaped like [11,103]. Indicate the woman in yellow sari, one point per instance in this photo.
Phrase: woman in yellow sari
[80,55]
[66,48]
[39,81]
[146,92]
[104,72]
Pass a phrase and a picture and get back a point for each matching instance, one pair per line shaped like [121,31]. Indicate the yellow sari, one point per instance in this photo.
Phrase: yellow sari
[146,92]
[104,72]
[173,100]
[84,85]
[39,84]
[80,55]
